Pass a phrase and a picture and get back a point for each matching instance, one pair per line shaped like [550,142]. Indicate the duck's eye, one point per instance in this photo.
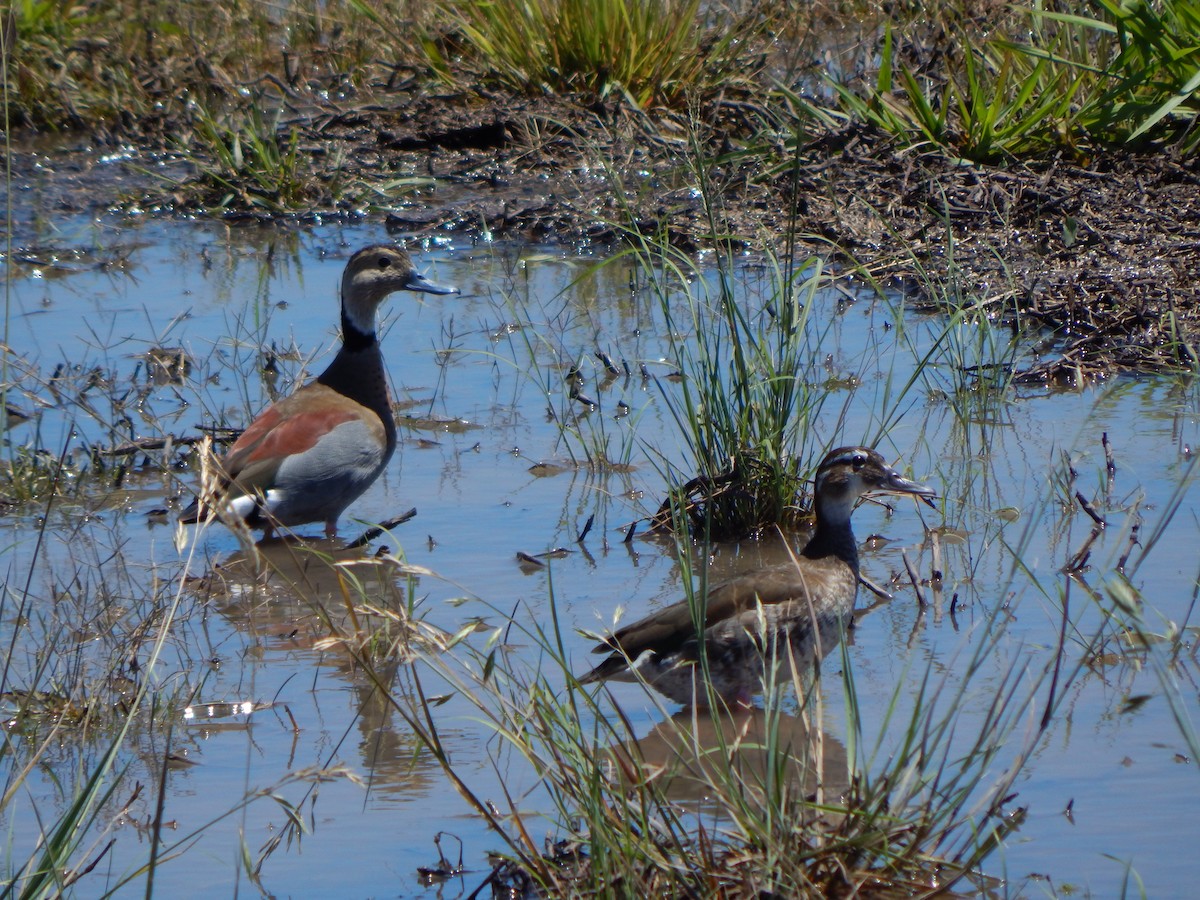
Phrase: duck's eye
[384,262]
[858,462]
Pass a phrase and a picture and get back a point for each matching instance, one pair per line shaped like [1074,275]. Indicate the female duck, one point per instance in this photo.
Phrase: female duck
[800,608]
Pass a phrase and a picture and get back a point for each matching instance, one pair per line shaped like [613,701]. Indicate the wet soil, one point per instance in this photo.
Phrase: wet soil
[1100,257]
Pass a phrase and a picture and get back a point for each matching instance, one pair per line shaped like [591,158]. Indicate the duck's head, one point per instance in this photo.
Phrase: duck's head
[848,473]
[374,272]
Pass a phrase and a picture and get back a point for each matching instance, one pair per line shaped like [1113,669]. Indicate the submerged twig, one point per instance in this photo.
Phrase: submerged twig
[1133,541]
[629,533]
[1087,508]
[526,559]
[376,530]
[145,445]
[876,589]
[1048,712]
[915,579]
[586,528]
[1078,562]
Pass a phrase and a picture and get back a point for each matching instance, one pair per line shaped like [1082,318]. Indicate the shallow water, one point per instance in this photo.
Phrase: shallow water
[481,377]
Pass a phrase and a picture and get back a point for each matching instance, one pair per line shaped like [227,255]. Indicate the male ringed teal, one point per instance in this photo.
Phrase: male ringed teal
[309,456]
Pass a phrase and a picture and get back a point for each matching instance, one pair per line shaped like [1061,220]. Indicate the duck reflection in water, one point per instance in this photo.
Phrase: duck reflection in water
[322,602]
[698,757]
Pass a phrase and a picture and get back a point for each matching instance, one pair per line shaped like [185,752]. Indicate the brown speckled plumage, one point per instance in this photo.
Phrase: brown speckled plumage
[798,609]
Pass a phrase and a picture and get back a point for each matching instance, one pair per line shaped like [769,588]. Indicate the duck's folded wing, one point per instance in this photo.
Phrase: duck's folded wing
[671,627]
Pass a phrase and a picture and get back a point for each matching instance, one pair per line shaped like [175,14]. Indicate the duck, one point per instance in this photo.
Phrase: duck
[307,457]
[798,609]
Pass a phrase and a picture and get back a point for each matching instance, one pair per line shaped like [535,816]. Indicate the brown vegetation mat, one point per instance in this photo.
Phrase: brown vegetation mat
[1100,258]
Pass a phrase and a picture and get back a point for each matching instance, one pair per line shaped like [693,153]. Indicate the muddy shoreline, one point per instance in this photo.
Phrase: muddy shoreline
[1100,258]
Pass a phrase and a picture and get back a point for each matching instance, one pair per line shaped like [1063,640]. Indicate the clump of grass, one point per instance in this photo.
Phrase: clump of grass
[59,77]
[1142,58]
[746,395]
[29,475]
[1051,81]
[653,51]
[139,65]
[103,416]
[248,162]
[982,109]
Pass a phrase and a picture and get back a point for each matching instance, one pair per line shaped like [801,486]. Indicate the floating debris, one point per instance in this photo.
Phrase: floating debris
[444,869]
[167,365]
[447,424]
